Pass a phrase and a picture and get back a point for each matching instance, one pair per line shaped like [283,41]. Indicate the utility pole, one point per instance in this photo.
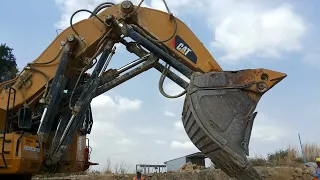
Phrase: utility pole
[303,156]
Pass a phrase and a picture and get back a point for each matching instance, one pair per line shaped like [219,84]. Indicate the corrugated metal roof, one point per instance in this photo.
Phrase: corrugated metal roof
[197,154]
[193,155]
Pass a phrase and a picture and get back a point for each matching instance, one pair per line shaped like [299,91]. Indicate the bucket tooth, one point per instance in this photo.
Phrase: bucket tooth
[218,115]
[273,77]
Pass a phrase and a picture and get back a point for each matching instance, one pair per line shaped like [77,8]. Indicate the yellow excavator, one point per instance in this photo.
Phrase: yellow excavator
[45,112]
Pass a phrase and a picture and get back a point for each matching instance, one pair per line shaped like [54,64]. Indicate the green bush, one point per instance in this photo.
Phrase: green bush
[278,155]
[258,161]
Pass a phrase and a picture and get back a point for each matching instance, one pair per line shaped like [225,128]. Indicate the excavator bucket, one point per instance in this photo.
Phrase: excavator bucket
[218,115]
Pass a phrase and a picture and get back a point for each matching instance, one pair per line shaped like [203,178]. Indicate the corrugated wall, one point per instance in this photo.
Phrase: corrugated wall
[174,165]
[197,161]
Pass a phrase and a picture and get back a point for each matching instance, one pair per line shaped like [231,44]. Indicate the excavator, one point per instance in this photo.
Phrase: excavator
[45,111]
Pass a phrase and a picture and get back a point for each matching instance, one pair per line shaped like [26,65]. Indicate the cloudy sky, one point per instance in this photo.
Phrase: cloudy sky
[135,124]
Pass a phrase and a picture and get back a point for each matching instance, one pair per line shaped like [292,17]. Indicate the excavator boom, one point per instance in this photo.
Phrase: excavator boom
[45,112]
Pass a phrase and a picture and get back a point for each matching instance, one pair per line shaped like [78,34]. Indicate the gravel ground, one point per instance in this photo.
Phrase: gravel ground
[274,173]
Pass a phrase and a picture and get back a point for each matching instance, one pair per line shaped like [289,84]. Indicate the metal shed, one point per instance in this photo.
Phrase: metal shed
[150,168]
[196,158]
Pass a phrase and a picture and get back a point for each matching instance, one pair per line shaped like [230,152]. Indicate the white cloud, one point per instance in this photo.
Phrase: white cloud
[174,5]
[168,113]
[240,28]
[68,7]
[312,59]
[161,142]
[182,145]
[121,103]
[268,130]
[117,130]
[105,107]
[178,126]
[270,134]
[124,141]
[145,130]
[245,29]
[106,131]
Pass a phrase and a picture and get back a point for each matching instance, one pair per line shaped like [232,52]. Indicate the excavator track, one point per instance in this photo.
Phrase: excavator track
[218,116]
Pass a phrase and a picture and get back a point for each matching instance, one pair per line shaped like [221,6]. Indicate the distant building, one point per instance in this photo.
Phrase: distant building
[195,158]
[149,168]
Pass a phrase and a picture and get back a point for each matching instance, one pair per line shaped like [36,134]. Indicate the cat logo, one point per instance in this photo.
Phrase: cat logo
[180,45]
[183,49]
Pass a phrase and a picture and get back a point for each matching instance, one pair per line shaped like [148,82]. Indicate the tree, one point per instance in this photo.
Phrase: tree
[8,65]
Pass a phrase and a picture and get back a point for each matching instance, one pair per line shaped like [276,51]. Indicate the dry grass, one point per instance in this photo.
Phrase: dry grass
[118,168]
[121,168]
[108,169]
[291,156]
[258,161]
[311,151]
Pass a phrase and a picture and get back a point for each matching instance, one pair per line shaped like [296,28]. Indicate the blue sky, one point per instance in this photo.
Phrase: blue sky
[134,123]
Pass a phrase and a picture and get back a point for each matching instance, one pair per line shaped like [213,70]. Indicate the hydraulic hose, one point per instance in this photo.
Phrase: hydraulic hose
[83,70]
[171,18]
[48,62]
[100,7]
[46,78]
[81,10]
[161,81]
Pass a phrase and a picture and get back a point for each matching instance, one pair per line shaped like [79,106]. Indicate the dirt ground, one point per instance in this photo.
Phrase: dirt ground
[274,173]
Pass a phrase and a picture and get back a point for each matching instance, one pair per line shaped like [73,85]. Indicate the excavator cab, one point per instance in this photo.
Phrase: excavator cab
[25,118]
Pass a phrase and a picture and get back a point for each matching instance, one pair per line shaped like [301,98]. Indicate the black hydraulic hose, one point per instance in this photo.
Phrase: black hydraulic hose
[100,7]
[45,76]
[161,81]
[81,10]
[48,62]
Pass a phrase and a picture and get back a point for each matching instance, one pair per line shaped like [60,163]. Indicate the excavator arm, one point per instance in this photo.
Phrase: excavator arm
[49,102]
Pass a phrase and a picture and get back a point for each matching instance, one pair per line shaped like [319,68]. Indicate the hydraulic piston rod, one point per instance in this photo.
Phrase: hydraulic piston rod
[158,51]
